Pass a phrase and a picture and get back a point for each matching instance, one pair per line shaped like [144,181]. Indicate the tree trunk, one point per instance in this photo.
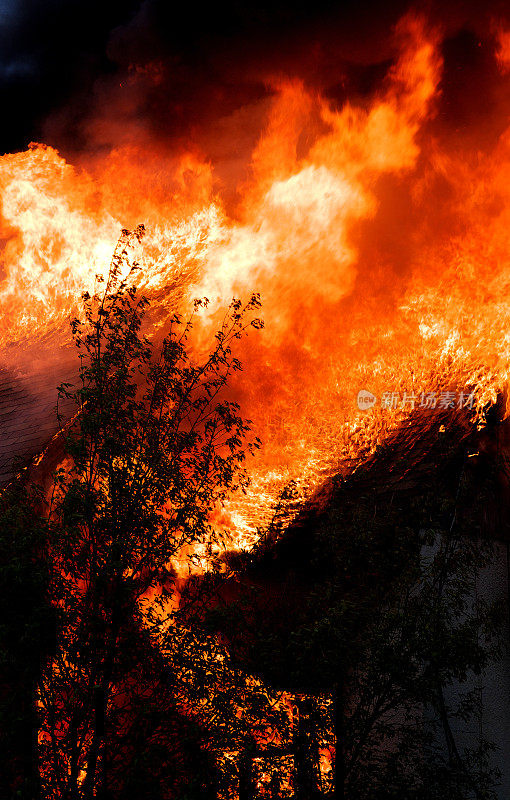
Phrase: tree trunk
[306,752]
[339,730]
[246,777]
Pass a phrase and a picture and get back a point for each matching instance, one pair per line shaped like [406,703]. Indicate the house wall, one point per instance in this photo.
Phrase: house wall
[493,723]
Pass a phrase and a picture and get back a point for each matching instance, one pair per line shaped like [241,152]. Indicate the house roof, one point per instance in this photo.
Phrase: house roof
[28,420]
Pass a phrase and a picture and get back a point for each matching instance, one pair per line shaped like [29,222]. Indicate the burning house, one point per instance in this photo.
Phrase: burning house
[351,172]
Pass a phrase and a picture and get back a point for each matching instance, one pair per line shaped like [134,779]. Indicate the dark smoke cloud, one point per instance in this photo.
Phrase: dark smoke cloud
[48,51]
[59,61]
[84,75]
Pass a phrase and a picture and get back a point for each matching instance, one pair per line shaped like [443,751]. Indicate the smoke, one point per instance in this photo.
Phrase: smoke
[49,52]
[90,77]
[167,65]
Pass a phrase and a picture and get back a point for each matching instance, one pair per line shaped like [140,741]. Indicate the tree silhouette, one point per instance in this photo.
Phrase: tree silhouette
[153,450]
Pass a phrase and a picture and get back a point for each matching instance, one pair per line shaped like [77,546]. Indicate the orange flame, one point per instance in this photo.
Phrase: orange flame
[350,300]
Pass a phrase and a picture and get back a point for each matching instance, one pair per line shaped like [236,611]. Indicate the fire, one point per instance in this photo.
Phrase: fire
[346,307]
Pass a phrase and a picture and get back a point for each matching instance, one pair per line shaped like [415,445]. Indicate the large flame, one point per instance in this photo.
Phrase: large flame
[350,301]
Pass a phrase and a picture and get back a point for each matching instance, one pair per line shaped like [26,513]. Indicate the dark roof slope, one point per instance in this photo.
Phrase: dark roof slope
[28,419]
